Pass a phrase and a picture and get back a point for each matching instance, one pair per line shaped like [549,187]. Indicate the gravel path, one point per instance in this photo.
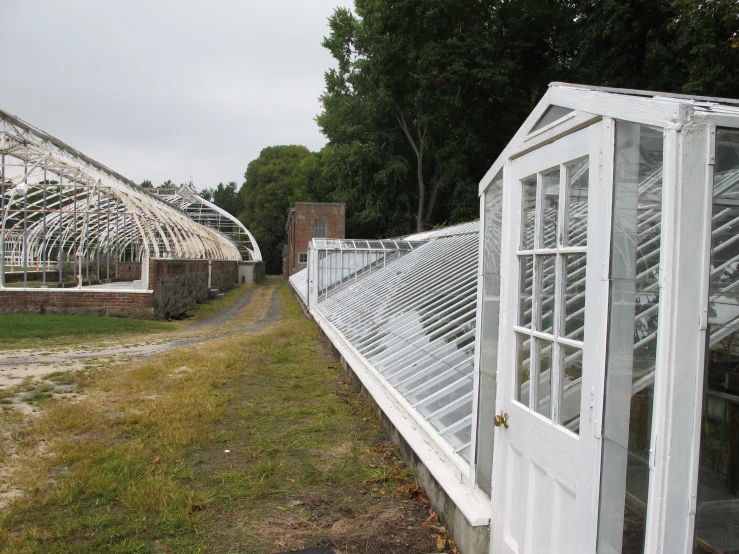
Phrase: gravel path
[16,365]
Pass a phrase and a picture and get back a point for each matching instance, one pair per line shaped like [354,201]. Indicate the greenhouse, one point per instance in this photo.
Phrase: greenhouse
[66,217]
[565,372]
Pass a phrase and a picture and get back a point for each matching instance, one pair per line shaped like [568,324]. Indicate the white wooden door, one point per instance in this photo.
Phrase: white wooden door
[553,332]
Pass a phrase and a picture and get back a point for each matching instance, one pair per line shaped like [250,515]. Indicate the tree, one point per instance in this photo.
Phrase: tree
[665,45]
[430,91]
[168,184]
[227,198]
[266,191]
[146,184]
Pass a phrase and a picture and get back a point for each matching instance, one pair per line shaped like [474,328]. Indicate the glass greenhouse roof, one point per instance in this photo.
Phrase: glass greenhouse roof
[414,322]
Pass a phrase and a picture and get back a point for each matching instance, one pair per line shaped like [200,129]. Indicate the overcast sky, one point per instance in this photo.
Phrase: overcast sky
[173,89]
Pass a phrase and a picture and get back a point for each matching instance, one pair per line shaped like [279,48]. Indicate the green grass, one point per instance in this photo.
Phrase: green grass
[253,443]
[23,330]
[39,331]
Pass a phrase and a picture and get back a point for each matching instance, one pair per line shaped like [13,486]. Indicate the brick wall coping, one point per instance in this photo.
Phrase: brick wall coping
[192,260]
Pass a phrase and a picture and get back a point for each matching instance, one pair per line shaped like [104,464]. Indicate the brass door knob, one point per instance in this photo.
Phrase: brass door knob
[501,420]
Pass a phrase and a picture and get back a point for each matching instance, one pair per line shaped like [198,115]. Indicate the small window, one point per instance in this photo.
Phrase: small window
[552,114]
[319,229]
[302,257]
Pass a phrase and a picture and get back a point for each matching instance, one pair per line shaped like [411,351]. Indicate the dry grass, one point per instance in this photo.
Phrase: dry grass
[253,442]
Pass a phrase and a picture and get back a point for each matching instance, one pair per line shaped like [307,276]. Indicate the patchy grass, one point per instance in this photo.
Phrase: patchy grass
[252,443]
[39,331]
[19,331]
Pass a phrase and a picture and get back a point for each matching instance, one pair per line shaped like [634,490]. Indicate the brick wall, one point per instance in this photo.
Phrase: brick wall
[127,271]
[224,275]
[178,285]
[77,302]
[300,229]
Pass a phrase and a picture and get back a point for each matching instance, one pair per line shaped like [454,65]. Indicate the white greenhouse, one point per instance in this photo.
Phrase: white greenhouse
[564,373]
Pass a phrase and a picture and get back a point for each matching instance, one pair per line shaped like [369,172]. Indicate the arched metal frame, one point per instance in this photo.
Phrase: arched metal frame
[206,213]
[61,207]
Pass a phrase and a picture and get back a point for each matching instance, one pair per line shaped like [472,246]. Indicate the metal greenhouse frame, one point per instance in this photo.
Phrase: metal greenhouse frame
[64,212]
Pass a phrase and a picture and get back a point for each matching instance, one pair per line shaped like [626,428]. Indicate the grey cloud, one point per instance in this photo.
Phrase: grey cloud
[164,90]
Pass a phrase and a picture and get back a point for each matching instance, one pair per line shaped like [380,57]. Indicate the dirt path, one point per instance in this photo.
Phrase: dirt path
[252,312]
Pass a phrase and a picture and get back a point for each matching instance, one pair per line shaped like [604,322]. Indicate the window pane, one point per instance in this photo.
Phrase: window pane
[632,338]
[489,339]
[528,210]
[547,278]
[319,228]
[523,354]
[569,399]
[577,204]
[717,519]
[573,316]
[552,114]
[544,389]
[526,283]
[550,212]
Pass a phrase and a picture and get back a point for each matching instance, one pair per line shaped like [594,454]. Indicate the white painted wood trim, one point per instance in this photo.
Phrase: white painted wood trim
[657,112]
[511,215]
[663,375]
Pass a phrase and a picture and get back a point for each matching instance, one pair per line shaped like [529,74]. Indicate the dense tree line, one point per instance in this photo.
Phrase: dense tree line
[426,93]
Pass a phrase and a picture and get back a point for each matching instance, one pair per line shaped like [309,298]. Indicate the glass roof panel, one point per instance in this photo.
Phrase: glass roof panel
[414,322]
[552,114]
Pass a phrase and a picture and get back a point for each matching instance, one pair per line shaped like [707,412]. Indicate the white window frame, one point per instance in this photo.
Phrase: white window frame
[303,258]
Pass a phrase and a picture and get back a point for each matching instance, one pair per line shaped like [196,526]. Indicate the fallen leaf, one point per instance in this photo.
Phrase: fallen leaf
[155,459]
[453,547]
[440,543]
[198,507]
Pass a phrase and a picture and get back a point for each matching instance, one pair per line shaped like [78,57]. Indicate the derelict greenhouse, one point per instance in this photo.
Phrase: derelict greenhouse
[78,237]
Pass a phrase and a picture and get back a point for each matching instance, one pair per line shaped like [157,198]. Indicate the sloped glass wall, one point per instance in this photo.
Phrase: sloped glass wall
[414,322]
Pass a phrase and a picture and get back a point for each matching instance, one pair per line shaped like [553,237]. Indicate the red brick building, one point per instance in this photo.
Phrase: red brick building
[305,221]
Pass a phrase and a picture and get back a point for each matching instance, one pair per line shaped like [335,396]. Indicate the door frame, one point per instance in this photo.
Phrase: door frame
[600,143]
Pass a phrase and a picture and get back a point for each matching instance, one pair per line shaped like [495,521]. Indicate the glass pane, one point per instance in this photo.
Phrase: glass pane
[544,353]
[550,211]
[569,399]
[552,114]
[526,283]
[577,204]
[547,277]
[489,338]
[573,316]
[523,354]
[717,519]
[632,338]
[528,212]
